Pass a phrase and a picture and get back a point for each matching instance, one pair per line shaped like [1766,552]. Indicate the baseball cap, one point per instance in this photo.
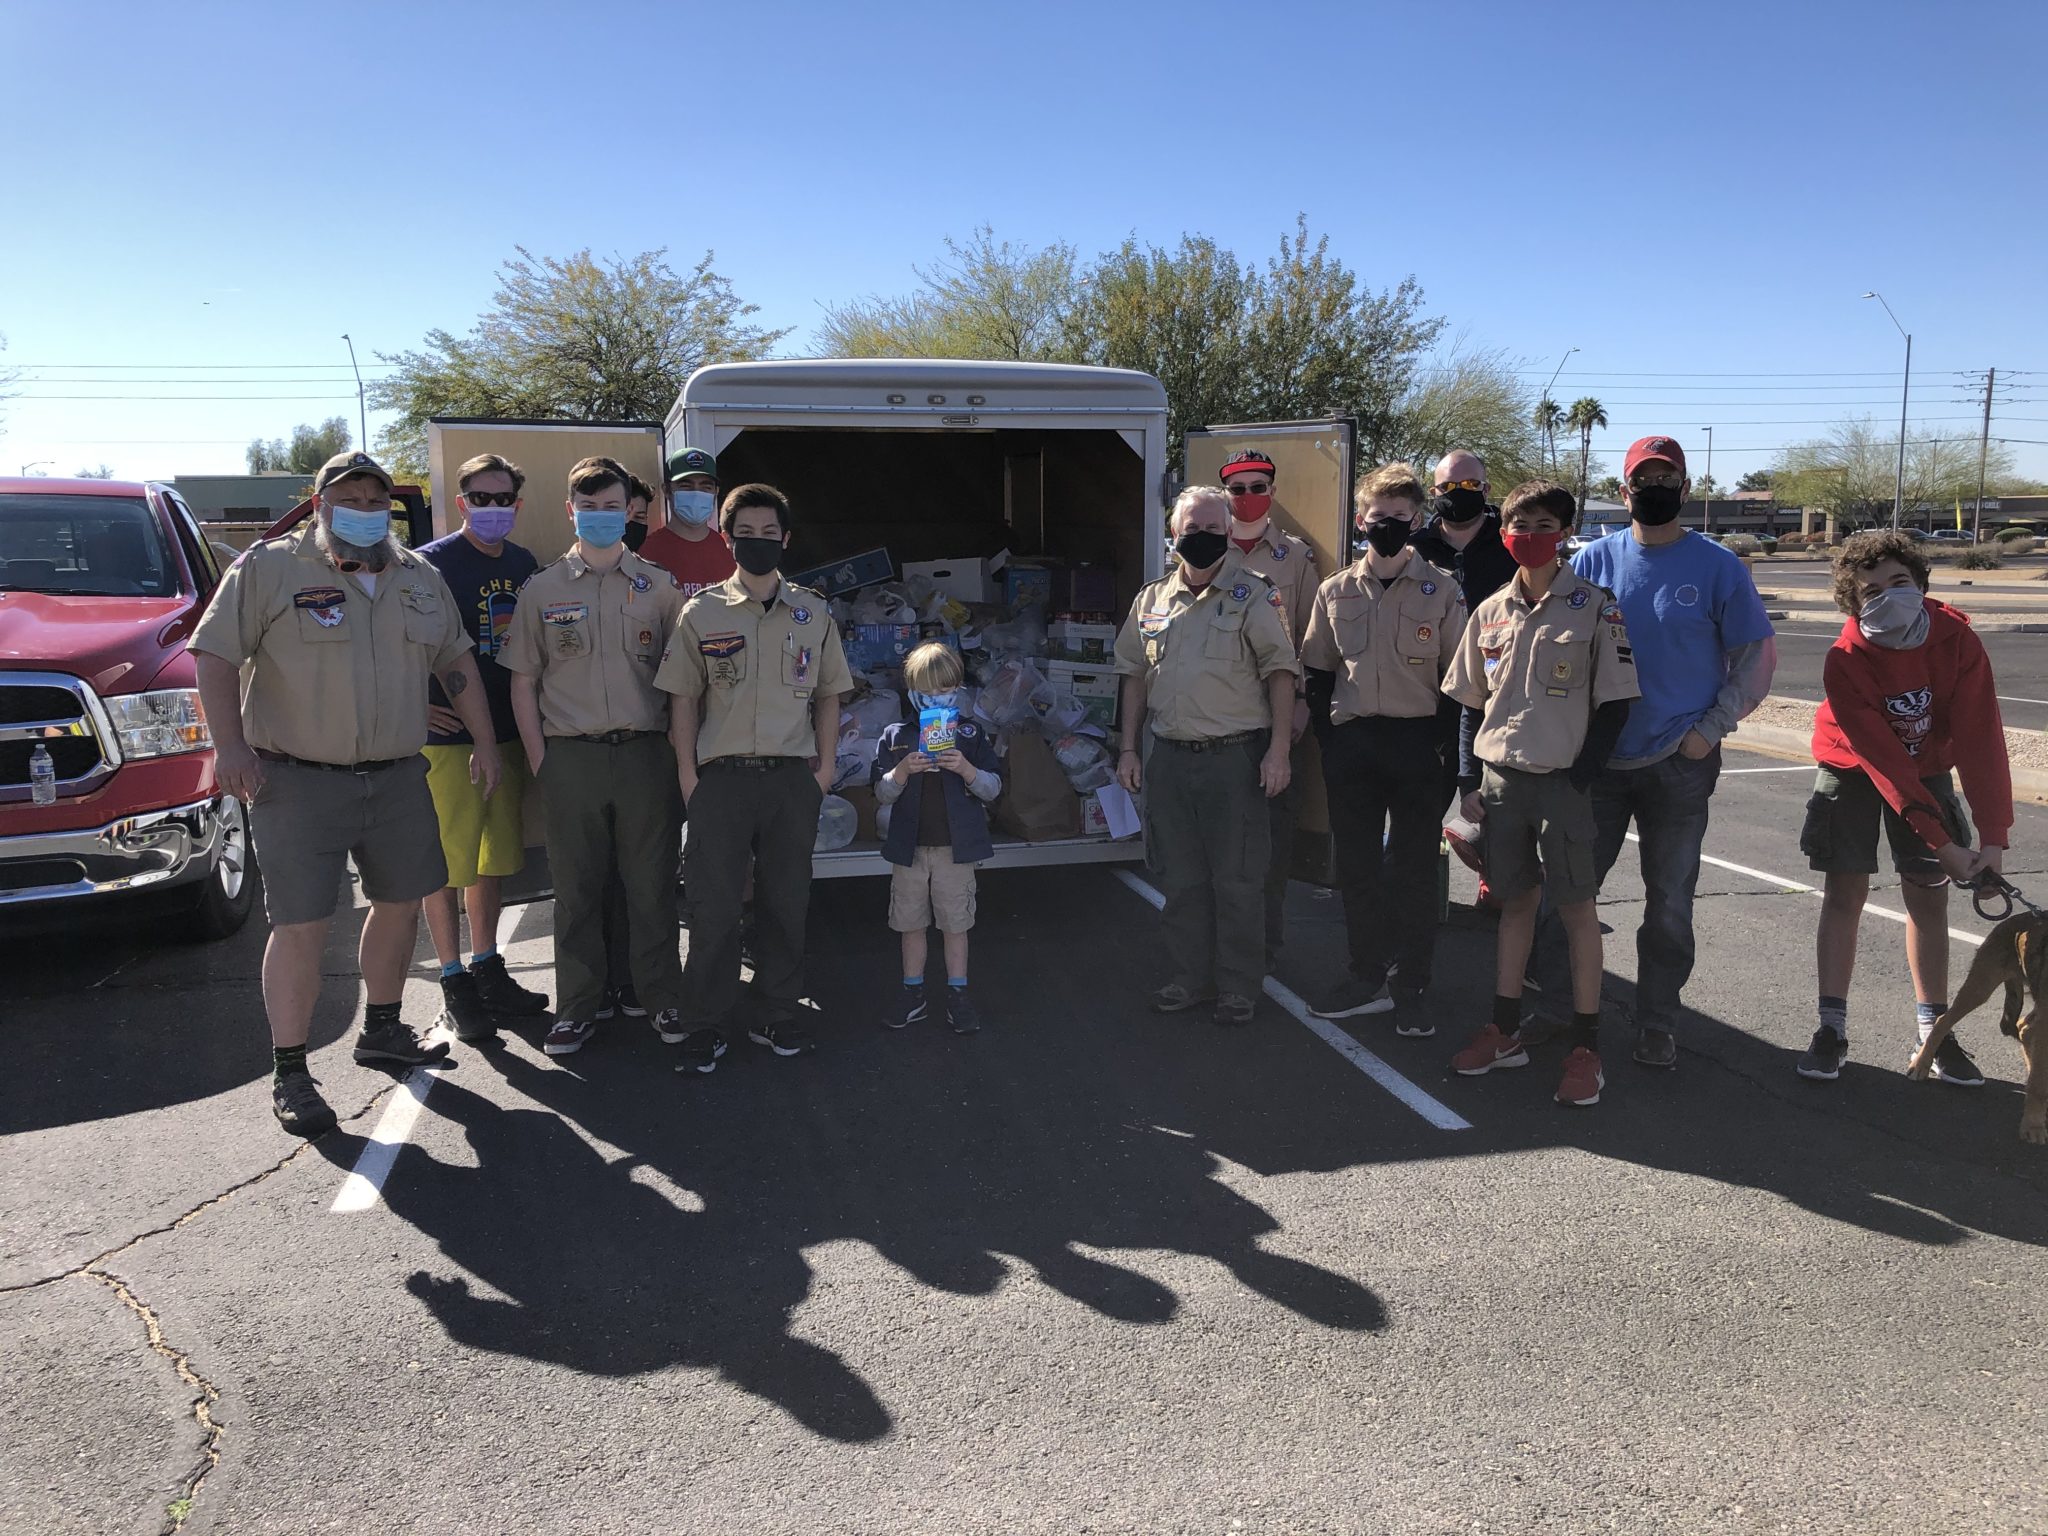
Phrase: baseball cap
[1249,461]
[350,461]
[1643,448]
[691,461]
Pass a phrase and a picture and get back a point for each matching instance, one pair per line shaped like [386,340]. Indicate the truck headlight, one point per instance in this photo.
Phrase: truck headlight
[160,724]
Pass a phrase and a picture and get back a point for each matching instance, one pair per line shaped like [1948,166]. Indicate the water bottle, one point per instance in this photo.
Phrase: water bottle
[42,776]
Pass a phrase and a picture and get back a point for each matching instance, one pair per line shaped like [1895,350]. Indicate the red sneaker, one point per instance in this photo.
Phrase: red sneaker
[1582,1079]
[1489,1049]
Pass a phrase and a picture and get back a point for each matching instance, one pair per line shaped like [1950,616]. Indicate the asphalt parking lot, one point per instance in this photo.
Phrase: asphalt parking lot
[1092,1270]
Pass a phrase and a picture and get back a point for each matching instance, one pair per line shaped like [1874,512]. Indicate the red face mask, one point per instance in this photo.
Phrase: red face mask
[1532,550]
[1250,509]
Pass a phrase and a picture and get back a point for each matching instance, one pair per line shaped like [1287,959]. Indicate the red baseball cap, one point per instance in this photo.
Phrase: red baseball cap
[1248,462]
[1643,448]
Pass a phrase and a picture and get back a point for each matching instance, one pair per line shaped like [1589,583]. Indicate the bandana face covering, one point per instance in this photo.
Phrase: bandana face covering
[1895,618]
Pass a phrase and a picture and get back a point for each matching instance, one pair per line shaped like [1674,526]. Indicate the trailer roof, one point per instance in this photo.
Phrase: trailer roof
[866,382]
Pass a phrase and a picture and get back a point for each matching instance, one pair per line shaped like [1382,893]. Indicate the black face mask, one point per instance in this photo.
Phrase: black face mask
[1388,537]
[1459,506]
[636,535]
[757,557]
[1199,549]
[1653,505]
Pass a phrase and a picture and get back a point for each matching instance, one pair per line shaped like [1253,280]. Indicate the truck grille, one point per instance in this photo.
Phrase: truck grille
[62,714]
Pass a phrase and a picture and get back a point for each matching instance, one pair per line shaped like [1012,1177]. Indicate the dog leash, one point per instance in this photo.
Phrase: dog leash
[1991,887]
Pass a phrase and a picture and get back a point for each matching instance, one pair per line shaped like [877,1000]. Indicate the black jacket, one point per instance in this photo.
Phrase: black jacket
[1482,567]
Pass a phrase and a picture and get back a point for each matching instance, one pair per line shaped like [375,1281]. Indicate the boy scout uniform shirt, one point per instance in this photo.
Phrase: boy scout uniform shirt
[1205,656]
[757,669]
[1388,646]
[593,640]
[1539,673]
[331,672]
[1289,563]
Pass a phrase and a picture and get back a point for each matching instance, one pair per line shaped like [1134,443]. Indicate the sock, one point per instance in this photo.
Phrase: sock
[1507,1015]
[1924,1015]
[287,1058]
[913,981]
[1834,1015]
[379,1015]
[1586,1031]
[483,954]
[956,981]
[452,968]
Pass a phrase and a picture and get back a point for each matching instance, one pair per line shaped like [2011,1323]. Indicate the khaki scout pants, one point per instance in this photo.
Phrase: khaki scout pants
[1208,827]
[613,807]
[740,816]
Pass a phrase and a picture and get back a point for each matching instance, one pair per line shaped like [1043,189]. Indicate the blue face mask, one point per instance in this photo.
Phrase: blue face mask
[694,507]
[947,700]
[362,529]
[600,529]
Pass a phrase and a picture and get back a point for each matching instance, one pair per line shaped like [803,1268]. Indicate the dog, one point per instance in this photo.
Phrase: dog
[2015,954]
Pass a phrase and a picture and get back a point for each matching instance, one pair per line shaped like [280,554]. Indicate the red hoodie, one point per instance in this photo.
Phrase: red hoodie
[1904,716]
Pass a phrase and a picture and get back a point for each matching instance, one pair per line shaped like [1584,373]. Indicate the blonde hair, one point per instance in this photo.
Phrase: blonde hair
[1398,479]
[933,668]
[1194,496]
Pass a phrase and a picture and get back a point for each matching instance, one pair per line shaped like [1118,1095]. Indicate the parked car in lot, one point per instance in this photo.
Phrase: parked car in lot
[101,581]
[1950,536]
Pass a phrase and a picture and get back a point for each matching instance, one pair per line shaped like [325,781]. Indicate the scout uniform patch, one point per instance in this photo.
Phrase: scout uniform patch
[565,621]
[324,603]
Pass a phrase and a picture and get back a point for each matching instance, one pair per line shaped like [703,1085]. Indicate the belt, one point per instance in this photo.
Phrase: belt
[614,738]
[752,764]
[1210,744]
[305,762]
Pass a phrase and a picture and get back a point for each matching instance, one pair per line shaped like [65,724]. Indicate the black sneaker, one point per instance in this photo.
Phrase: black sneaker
[1175,998]
[700,1051]
[669,1026]
[961,1012]
[1233,1011]
[400,1044]
[500,993]
[1657,1047]
[780,1035]
[1410,1016]
[630,1004]
[1823,1059]
[463,1011]
[608,1008]
[1353,996]
[1952,1065]
[911,1009]
[567,1037]
[296,1102]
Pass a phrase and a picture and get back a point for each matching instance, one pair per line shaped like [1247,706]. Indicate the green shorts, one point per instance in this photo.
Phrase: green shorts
[309,822]
[479,836]
[1539,830]
[1842,817]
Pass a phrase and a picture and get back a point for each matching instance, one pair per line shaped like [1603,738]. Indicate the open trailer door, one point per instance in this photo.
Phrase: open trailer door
[1314,467]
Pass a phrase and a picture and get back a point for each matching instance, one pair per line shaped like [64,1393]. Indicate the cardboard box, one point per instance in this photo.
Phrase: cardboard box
[855,571]
[1090,589]
[1094,686]
[1073,640]
[862,799]
[971,581]
[1029,586]
[872,647]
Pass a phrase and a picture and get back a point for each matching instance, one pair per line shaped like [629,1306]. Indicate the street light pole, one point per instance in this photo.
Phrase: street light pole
[34,463]
[1905,391]
[362,415]
[1543,406]
[1710,477]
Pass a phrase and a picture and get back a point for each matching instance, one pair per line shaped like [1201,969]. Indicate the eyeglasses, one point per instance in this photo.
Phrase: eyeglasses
[1671,481]
[490,498]
[1458,485]
[1249,487]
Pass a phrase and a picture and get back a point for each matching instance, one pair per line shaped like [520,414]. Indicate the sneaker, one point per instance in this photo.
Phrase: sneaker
[630,1004]
[1823,1059]
[500,993]
[1233,1010]
[398,1043]
[1409,1017]
[911,1009]
[780,1035]
[669,1026]
[1490,1049]
[296,1102]
[961,1012]
[1351,997]
[700,1051]
[1582,1080]
[567,1036]
[608,1008]
[1175,998]
[463,1011]
[1656,1047]
[1952,1065]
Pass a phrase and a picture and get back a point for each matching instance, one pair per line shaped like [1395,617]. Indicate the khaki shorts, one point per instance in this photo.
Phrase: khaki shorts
[308,822]
[1539,830]
[1839,836]
[479,836]
[931,889]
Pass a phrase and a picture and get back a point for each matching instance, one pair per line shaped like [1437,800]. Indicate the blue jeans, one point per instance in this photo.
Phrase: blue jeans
[1667,801]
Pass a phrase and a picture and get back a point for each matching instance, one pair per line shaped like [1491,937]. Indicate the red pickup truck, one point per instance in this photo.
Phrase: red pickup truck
[101,582]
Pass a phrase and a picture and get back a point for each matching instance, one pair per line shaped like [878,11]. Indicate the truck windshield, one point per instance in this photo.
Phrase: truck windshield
[94,546]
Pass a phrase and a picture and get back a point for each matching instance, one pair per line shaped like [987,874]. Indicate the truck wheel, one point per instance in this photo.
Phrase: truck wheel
[229,891]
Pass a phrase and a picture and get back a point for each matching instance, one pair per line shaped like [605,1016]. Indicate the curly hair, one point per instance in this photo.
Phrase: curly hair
[1861,551]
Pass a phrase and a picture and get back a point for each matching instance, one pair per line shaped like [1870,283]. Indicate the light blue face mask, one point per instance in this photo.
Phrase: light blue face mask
[600,528]
[365,530]
[947,700]
[694,507]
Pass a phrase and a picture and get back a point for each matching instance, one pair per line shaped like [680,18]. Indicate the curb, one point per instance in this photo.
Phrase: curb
[1834,616]
[1782,741]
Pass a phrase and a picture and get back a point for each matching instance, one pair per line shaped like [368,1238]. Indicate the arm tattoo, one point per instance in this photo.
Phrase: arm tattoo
[455,683]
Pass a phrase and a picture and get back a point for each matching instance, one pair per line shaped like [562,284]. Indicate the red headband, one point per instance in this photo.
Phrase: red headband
[1246,464]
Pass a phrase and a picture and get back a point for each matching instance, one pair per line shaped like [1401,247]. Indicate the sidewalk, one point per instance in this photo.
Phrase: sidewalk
[1783,727]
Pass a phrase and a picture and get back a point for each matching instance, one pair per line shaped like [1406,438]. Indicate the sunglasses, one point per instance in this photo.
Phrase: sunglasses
[490,498]
[1459,485]
[1249,488]
[1671,481]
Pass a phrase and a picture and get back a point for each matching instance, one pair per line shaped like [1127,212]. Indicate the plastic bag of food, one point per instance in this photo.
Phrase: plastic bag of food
[838,823]
[1084,760]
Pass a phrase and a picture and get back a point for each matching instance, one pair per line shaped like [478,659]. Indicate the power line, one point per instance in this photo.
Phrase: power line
[27,396]
[123,383]
[188,367]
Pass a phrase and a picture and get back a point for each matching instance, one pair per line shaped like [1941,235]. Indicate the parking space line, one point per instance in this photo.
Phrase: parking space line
[1437,1113]
[364,1186]
[2007,698]
[1795,768]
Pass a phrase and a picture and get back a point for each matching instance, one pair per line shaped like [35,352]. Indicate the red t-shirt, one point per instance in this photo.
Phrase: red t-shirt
[695,563]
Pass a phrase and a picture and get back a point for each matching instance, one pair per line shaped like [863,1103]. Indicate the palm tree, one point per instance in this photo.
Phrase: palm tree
[1586,417]
[1549,417]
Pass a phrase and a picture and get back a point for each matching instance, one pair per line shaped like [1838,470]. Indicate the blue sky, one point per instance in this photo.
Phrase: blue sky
[1693,196]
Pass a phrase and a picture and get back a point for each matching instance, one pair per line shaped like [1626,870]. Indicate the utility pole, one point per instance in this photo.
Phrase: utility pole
[362,414]
[1710,480]
[1905,393]
[1983,453]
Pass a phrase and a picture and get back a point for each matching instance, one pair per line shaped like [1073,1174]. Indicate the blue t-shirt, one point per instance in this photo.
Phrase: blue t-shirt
[485,588]
[1687,604]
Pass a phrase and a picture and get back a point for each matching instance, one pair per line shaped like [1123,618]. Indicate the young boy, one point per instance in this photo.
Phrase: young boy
[938,831]
[1909,697]
[1545,674]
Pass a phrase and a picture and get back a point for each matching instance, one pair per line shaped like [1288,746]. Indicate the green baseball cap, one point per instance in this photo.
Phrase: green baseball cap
[691,461]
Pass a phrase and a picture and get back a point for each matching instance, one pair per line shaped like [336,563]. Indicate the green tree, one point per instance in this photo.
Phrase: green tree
[309,448]
[1475,401]
[573,339]
[1755,480]
[1608,488]
[983,300]
[1586,417]
[1547,417]
[102,473]
[1853,473]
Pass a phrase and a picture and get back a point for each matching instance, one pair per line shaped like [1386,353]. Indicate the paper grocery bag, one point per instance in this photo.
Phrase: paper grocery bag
[1037,803]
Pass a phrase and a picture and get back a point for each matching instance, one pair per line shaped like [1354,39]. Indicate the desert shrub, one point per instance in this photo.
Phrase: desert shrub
[1978,560]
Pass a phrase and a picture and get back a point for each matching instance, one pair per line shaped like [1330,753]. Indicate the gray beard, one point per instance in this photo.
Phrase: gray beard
[372,557]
